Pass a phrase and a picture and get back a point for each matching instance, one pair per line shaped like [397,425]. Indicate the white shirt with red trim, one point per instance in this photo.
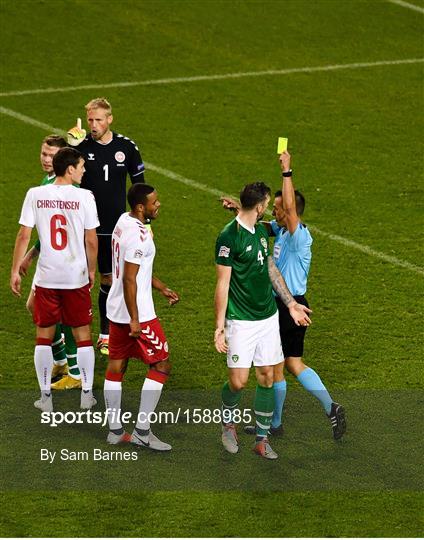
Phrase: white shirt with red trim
[131,242]
[62,214]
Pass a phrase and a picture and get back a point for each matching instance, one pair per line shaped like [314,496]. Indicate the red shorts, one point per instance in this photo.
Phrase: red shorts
[67,306]
[151,346]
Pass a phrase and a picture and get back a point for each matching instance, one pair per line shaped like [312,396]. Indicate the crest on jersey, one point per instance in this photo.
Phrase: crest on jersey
[264,242]
[224,251]
[120,157]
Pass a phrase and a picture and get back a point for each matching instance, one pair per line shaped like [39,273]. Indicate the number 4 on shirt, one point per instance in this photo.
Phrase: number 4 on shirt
[260,257]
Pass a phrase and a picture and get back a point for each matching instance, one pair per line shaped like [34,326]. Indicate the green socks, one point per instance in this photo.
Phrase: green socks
[263,404]
[230,401]
[58,347]
[71,353]
[264,408]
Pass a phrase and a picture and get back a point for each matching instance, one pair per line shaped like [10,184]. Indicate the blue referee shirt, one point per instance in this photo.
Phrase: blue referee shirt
[292,255]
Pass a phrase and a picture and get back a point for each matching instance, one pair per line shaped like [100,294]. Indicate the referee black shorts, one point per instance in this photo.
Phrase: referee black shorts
[104,255]
[292,336]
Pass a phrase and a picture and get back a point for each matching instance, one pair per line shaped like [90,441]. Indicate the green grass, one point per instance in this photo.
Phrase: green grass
[356,137]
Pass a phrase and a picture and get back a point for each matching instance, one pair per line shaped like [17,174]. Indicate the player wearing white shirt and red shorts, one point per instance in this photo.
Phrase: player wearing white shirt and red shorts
[135,331]
[66,221]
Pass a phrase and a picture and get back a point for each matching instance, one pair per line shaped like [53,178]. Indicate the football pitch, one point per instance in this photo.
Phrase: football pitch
[205,88]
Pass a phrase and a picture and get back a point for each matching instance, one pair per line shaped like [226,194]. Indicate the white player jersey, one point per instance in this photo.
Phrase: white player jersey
[61,214]
[131,242]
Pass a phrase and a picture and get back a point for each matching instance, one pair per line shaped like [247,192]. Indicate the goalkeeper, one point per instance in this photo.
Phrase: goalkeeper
[109,158]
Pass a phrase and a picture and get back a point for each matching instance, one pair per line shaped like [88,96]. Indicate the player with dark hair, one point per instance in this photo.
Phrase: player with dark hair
[66,221]
[135,330]
[292,256]
[109,157]
[246,314]
[64,354]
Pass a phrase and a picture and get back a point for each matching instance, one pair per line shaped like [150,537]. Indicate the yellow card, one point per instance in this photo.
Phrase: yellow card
[282,145]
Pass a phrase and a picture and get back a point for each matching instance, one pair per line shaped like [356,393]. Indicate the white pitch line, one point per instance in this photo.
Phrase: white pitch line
[217,77]
[369,251]
[218,193]
[407,5]
[31,121]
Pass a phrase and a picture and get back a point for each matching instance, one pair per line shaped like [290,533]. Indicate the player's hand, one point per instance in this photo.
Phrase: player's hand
[91,279]
[135,329]
[171,295]
[230,204]
[299,314]
[220,343]
[25,264]
[285,161]
[76,134]
[15,284]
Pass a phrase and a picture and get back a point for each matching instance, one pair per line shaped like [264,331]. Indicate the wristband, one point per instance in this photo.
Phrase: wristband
[287,174]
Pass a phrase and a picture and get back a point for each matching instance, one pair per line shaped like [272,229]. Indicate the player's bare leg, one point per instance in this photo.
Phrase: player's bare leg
[150,394]
[43,361]
[112,390]
[85,360]
[103,341]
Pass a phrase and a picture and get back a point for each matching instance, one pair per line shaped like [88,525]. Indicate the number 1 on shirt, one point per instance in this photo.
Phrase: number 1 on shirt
[106,169]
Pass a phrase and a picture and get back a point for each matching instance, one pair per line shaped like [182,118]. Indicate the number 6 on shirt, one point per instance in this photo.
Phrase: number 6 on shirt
[58,235]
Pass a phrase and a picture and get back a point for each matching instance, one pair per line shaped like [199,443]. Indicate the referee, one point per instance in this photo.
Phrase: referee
[109,157]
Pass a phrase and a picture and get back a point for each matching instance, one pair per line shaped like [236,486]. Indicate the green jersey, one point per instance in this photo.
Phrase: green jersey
[48,180]
[246,251]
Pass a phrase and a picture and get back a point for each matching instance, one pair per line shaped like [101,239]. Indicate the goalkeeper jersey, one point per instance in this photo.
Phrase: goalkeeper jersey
[246,251]
[106,169]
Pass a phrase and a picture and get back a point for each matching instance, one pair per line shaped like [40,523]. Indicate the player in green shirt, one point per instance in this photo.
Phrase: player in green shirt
[247,326]
[64,354]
